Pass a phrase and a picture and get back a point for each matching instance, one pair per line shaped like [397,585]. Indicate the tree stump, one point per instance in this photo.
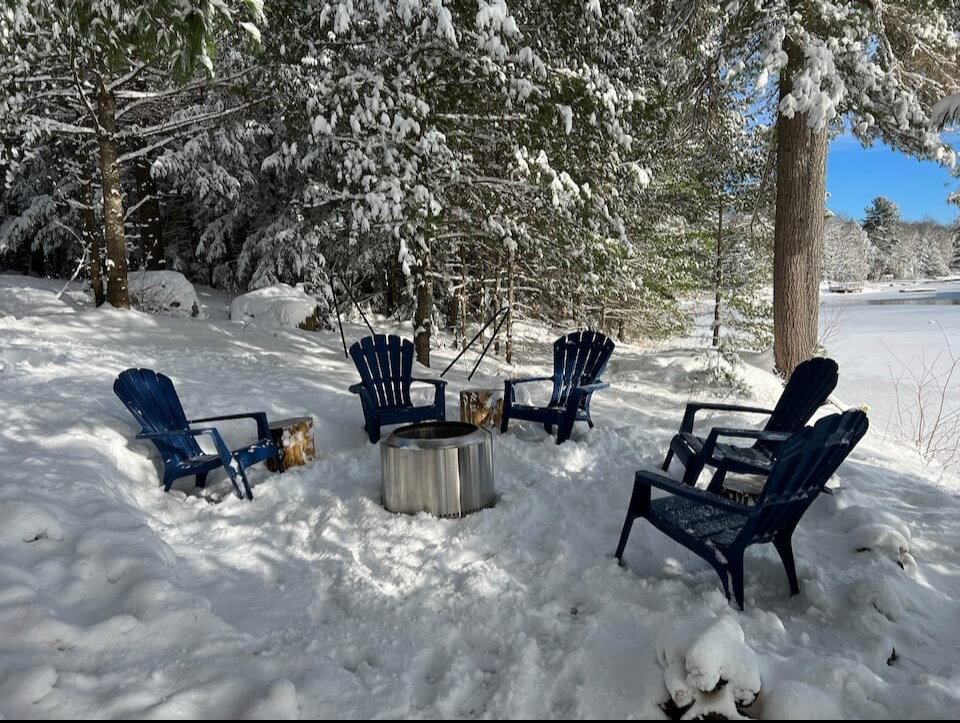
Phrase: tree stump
[294,437]
[483,407]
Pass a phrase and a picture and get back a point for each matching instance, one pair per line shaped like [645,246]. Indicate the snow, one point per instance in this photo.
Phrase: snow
[877,335]
[117,600]
[278,306]
[163,292]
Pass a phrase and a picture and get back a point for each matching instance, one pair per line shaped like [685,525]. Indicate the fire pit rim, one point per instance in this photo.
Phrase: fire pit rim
[406,437]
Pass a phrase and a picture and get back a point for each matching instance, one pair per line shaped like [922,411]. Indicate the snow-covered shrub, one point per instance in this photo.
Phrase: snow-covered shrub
[280,305]
[708,669]
[163,292]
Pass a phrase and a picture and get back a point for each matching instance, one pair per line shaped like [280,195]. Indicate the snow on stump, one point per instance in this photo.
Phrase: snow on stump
[275,306]
[483,407]
[708,669]
[163,292]
[294,437]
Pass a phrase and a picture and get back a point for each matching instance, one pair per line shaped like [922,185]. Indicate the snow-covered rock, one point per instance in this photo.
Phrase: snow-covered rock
[280,305]
[163,292]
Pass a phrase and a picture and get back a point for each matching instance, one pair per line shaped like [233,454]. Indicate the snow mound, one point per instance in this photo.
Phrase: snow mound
[708,667]
[793,700]
[21,689]
[163,292]
[277,306]
[28,522]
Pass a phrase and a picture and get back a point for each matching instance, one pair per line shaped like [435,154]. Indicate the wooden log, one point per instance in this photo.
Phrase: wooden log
[483,407]
[745,489]
[295,437]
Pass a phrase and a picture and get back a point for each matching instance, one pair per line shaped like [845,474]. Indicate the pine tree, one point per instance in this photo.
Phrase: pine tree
[880,221]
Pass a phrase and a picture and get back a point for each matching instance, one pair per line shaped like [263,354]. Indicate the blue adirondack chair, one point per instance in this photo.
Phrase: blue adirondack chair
[153,401]
[578,361]
[385,364]
[808,388]
[720,530]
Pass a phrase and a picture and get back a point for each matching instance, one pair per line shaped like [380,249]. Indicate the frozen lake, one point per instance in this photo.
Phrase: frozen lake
[893,332]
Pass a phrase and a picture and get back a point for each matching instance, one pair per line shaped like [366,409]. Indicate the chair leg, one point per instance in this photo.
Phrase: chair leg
[504,417]
[785,548]
[202,480]
[246,483]
[279,458]
[639,503]
[373,431]
[549,427]
[692,471]
[666,463]
[565,424]
[625,534]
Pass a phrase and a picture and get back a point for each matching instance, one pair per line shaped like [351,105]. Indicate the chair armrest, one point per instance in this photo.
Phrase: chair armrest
[652,479]
[591,388]
[355,388]
[440,386]
[178,433]
[512,382]
[693,407]
[436,382]
[263,427]
[757,434]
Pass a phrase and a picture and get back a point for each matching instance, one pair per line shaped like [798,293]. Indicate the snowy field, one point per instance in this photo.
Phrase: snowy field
[117,600]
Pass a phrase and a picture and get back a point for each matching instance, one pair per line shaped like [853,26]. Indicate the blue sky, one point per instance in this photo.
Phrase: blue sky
[857,175]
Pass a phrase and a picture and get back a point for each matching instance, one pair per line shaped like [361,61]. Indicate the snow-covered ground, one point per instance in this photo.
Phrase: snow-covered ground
[117,600]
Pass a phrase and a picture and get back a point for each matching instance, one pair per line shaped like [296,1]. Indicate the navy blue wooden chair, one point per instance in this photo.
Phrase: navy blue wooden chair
[385,364]
[720,530]
[153,401]
[578,361]
[808,388]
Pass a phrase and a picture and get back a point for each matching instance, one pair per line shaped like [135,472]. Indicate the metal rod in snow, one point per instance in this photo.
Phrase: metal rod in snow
[475,337]
[336,305]
[492,337]
[362,315]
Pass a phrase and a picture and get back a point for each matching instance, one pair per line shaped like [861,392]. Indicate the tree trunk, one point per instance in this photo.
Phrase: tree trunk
[511,274]
[422,316]
[463,300]
[91,235]
[393,296]
[718,279]
[798,230]
[112,201]
[496,302]
[151,232]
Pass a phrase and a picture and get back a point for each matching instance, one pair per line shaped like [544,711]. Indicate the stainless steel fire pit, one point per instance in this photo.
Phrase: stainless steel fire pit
[444,468]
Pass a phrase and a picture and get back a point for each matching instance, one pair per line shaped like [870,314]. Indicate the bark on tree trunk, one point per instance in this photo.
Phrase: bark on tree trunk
[718,279]
[151,231]
[511,274]
[421,317]
[92,236]
[798,230]
[112,201]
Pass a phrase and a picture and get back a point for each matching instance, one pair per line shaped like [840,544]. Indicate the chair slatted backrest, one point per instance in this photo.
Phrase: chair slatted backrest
[385,364]
[804,466]
[153,401]
[806,391]
[579,358]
